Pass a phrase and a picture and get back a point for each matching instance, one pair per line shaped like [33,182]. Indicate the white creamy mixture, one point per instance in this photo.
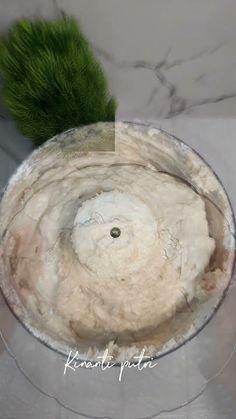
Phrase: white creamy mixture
[97,286]
[76,279]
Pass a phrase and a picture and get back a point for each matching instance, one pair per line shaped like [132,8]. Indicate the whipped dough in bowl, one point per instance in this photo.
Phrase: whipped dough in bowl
[114,236]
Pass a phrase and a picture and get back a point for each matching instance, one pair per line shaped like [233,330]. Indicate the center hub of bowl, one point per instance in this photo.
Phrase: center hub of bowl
[114,235]
[115,232]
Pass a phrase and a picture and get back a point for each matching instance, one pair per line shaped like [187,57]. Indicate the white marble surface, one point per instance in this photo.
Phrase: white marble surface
[163,58]
[171,62]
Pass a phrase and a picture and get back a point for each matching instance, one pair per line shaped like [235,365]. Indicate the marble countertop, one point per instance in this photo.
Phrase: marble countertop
[171,63]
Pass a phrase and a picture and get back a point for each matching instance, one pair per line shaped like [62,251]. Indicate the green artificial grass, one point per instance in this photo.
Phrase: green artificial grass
[51,79]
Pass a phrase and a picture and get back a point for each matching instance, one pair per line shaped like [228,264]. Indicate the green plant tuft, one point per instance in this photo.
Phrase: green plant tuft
[51,79]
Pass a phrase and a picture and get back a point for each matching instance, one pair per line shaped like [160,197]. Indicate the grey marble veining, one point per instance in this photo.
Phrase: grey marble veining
[173,102]
[164,59]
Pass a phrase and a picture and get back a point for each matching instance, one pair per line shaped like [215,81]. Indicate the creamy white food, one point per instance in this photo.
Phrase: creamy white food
[74,278]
